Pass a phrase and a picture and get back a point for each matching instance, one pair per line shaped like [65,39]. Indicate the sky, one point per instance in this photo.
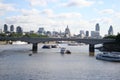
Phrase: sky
[57,14]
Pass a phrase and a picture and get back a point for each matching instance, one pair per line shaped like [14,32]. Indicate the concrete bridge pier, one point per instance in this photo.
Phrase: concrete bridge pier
[91,49]
[34,47]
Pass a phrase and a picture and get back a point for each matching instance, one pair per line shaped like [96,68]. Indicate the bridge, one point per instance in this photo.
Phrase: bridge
[36,40]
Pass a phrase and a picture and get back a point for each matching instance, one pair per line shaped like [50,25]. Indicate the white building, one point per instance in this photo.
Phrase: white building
[95,34]
[82,34]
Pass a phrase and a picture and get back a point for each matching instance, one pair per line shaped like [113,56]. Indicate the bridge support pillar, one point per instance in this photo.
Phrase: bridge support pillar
[35,47]
[91,49]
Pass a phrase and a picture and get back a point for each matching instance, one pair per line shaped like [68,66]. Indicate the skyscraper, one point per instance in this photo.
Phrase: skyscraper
[41,31]
[110,31]
[19,29]
[87,33]
[12,28]
[5,28]
[97,27]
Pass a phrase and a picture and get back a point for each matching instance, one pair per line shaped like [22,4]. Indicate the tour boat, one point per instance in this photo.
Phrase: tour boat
[62,51]
[108,57]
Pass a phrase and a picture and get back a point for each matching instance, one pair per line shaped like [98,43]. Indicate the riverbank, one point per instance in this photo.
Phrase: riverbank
[109,47]
[3,42]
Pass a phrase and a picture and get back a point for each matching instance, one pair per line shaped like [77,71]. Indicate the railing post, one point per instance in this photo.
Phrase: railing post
[35,47]
[91,49]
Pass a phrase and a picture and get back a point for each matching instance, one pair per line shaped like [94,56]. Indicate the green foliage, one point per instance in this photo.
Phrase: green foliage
[2,34]
[115,46]
[34,35]
[118,38]
[110,37]
[15,35]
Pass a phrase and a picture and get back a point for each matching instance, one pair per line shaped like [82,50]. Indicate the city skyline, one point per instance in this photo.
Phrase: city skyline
[57,14]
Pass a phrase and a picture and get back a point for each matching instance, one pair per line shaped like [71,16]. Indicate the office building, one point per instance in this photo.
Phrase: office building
[97,27]
[12,28]
[19,30]
[5,28]
[95,34]
[110,31]
[41,31]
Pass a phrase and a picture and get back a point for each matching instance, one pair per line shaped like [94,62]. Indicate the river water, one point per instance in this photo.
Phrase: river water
[49,64]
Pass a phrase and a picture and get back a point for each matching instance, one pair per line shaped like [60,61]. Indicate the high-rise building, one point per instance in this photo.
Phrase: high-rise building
[110,31]
[12,28]
[95,34]
[41,31]
[19,30]
[5,28]
[97,27]
[82,34]
[67,32]
[87,33]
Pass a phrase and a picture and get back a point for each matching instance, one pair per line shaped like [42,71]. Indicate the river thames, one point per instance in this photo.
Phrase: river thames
[49,64]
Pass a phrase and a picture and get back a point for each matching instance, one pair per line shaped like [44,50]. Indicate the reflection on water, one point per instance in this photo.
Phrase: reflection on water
[49,64]
[91,53]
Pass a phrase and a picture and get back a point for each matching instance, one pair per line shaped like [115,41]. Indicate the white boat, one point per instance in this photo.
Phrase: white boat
[108,57]
[62,51]
[72,44]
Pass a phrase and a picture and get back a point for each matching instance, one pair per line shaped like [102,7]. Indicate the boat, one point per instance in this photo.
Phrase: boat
[67,52]
[62,51]
[46,47]
[53,46]
[72,44]
[108,57]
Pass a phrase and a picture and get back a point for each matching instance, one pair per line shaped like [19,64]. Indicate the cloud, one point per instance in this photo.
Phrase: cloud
[34,18]
[100,2]
[4,8]
[107,11]
[7,7]
[48,12]
[103,20]
[78,3]
[68,15]
[41,2]
[30,12]
[117,15]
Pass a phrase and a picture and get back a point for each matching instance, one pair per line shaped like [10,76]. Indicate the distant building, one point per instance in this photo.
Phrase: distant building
[0,30]
[67,32]
[5,28]
[95,34]
[48,33]
[97,27]
[41,31]
[19,30]
[55,34]
[12,28]
[87,34]
[110,31]
[31,32]
[82,34]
